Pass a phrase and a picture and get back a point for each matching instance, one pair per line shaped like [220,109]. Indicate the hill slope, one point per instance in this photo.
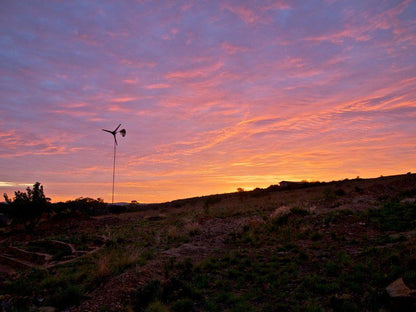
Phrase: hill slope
[333,246]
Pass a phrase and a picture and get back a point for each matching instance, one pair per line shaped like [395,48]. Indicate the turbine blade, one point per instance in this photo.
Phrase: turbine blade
[117,128]
[108,131]
[115,139]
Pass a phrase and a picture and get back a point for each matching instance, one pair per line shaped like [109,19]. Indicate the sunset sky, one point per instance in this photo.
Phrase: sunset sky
[214,95]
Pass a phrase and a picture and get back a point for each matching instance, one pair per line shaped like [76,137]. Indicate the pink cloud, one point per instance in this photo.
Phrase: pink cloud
[130,81]
[138,64]
[196,71]
[158,86]
[74,113]
[355,29]
[18,144]
[119,108]
[232,49]
[244,13]
[277,5]
[74,105]
[255,14]
[123,99]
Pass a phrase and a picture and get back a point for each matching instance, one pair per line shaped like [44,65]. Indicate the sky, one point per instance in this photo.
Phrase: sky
[214,95]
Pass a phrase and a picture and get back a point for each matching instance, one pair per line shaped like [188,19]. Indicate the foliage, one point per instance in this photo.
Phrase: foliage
[27,208]
[65,296]
[83,205]
[395,216]
[117,209]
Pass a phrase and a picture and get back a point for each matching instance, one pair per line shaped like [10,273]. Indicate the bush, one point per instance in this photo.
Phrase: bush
[66,296]
[147,293]
[339,192]
[156,306]
[395,216]
[83,205]
[117,209]
[183,305]
[27,208]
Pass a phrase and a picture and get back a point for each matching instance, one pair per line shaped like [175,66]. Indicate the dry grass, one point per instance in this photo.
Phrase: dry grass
[104,266]
[280,211]
[192,228]
[172,232]
[255,223]
[116,260]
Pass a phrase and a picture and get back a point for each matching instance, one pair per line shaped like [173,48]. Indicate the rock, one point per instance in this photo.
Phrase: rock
[402,298]
[398,289]
[47,309]
[408,200]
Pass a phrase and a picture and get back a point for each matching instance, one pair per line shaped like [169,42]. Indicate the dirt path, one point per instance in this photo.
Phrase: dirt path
[118,292]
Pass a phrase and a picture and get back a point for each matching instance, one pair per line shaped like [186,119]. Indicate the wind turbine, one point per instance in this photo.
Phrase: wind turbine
[123,133]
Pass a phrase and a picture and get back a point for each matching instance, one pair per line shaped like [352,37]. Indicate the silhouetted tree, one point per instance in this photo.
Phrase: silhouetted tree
[27,208]
[81,205]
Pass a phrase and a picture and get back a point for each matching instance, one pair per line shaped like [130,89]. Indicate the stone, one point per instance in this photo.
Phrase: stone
[47,309]
[399,289]
[402,298]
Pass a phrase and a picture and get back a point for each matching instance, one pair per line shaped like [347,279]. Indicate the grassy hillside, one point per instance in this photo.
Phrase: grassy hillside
[325,247]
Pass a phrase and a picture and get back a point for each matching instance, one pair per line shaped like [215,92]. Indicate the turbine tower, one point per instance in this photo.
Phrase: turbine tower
[123,133]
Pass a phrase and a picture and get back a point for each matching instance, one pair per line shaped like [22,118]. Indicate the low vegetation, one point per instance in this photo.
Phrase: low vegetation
[330,247]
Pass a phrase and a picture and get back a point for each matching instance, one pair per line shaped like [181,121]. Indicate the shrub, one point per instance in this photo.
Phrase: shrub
[279,212]
[156,306]
[299,211]
[182,305]
[27,208]
[193,228]
[117,209]
[343,304]
[315,236]
[85,205]
[147,293]
[66,296]
[339,192]
[395,216]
